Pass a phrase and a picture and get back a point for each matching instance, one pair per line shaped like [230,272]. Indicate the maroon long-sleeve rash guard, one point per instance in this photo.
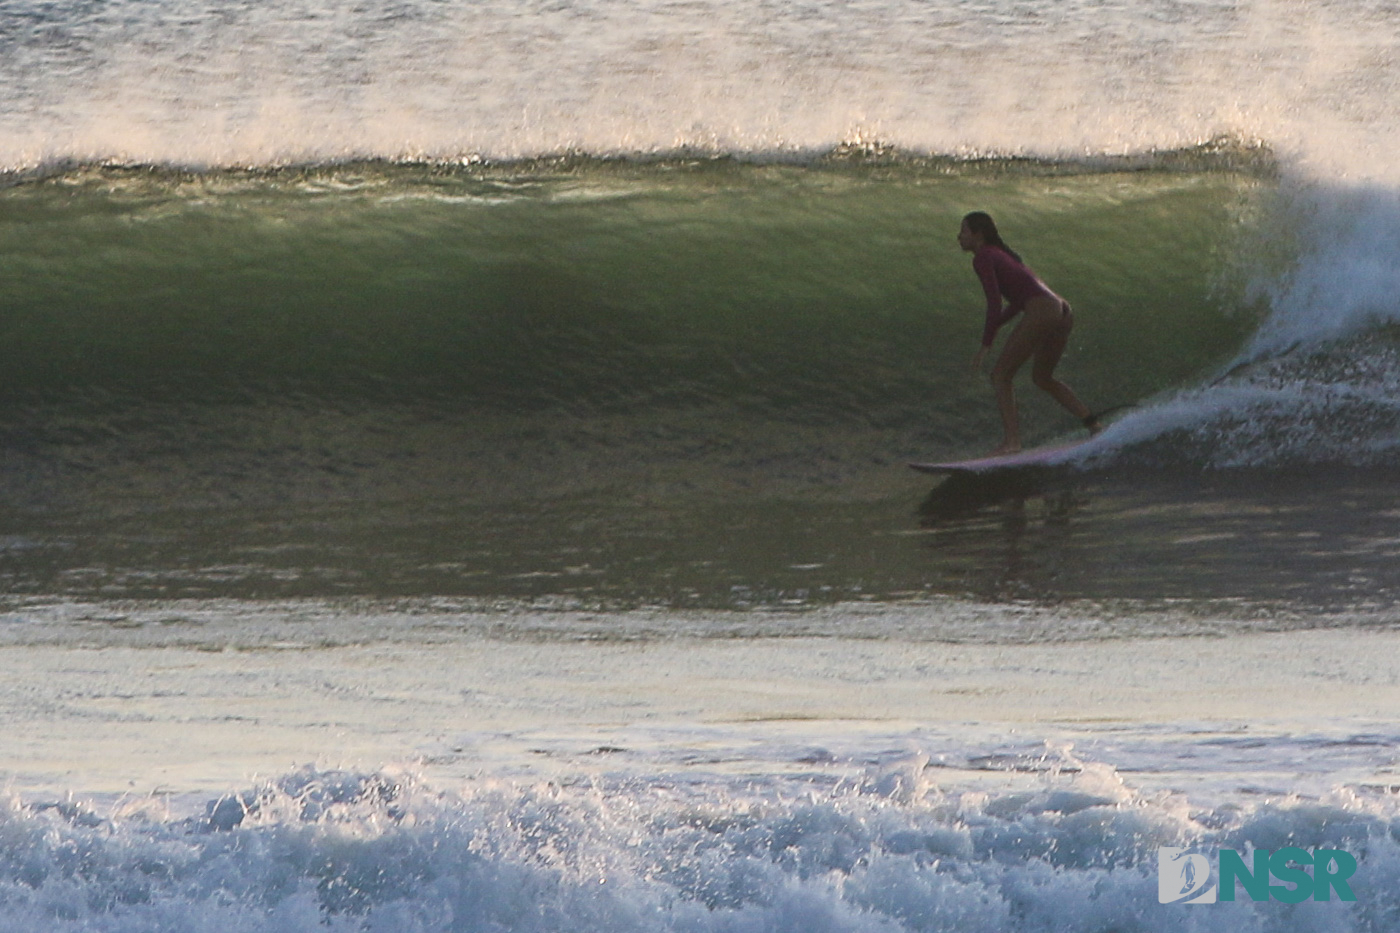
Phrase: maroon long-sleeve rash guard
[1003,277]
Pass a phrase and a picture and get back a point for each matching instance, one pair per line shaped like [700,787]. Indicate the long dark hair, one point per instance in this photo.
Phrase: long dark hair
[981,223]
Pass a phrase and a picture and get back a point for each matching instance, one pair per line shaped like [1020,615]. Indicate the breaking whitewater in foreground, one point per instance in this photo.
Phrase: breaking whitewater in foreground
[321,850]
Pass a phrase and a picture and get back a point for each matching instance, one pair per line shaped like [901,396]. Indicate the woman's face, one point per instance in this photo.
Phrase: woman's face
[968,240]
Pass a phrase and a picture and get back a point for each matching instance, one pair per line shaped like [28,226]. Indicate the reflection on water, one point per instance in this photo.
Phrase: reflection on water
[1268,543]
[1281,542]
[1015,526]
[964,495]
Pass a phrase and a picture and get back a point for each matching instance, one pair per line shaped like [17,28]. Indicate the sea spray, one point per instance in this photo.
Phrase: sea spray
[350,851]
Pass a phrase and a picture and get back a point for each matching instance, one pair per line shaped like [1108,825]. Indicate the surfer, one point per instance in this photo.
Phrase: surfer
[1041,334]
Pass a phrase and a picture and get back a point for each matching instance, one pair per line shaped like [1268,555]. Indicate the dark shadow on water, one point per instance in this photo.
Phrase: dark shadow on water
[962,496]
[1288,543]
[1006,536]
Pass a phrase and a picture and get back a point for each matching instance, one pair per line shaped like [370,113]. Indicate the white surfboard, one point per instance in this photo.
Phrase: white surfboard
[1037,456]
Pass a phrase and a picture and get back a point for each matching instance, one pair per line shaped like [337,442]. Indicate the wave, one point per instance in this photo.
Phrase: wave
[587,283]
[315,850]
[1242,310]
[1315,382]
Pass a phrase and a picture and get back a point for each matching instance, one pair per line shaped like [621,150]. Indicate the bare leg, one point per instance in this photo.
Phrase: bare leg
[1043,333]
[1019,348]
[1047,357]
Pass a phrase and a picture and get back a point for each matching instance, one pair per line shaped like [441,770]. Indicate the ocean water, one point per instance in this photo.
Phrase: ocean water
[453,464]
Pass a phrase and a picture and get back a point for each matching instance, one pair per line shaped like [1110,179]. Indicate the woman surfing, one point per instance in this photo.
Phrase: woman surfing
[1041,334]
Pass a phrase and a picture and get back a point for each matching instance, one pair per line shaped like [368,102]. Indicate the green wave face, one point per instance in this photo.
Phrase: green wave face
[805,292]
[683,384]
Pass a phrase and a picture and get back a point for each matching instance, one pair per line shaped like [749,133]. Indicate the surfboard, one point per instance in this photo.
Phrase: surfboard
[1036,456]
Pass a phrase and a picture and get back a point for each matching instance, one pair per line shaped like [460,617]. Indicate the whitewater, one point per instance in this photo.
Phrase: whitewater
[453,464]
